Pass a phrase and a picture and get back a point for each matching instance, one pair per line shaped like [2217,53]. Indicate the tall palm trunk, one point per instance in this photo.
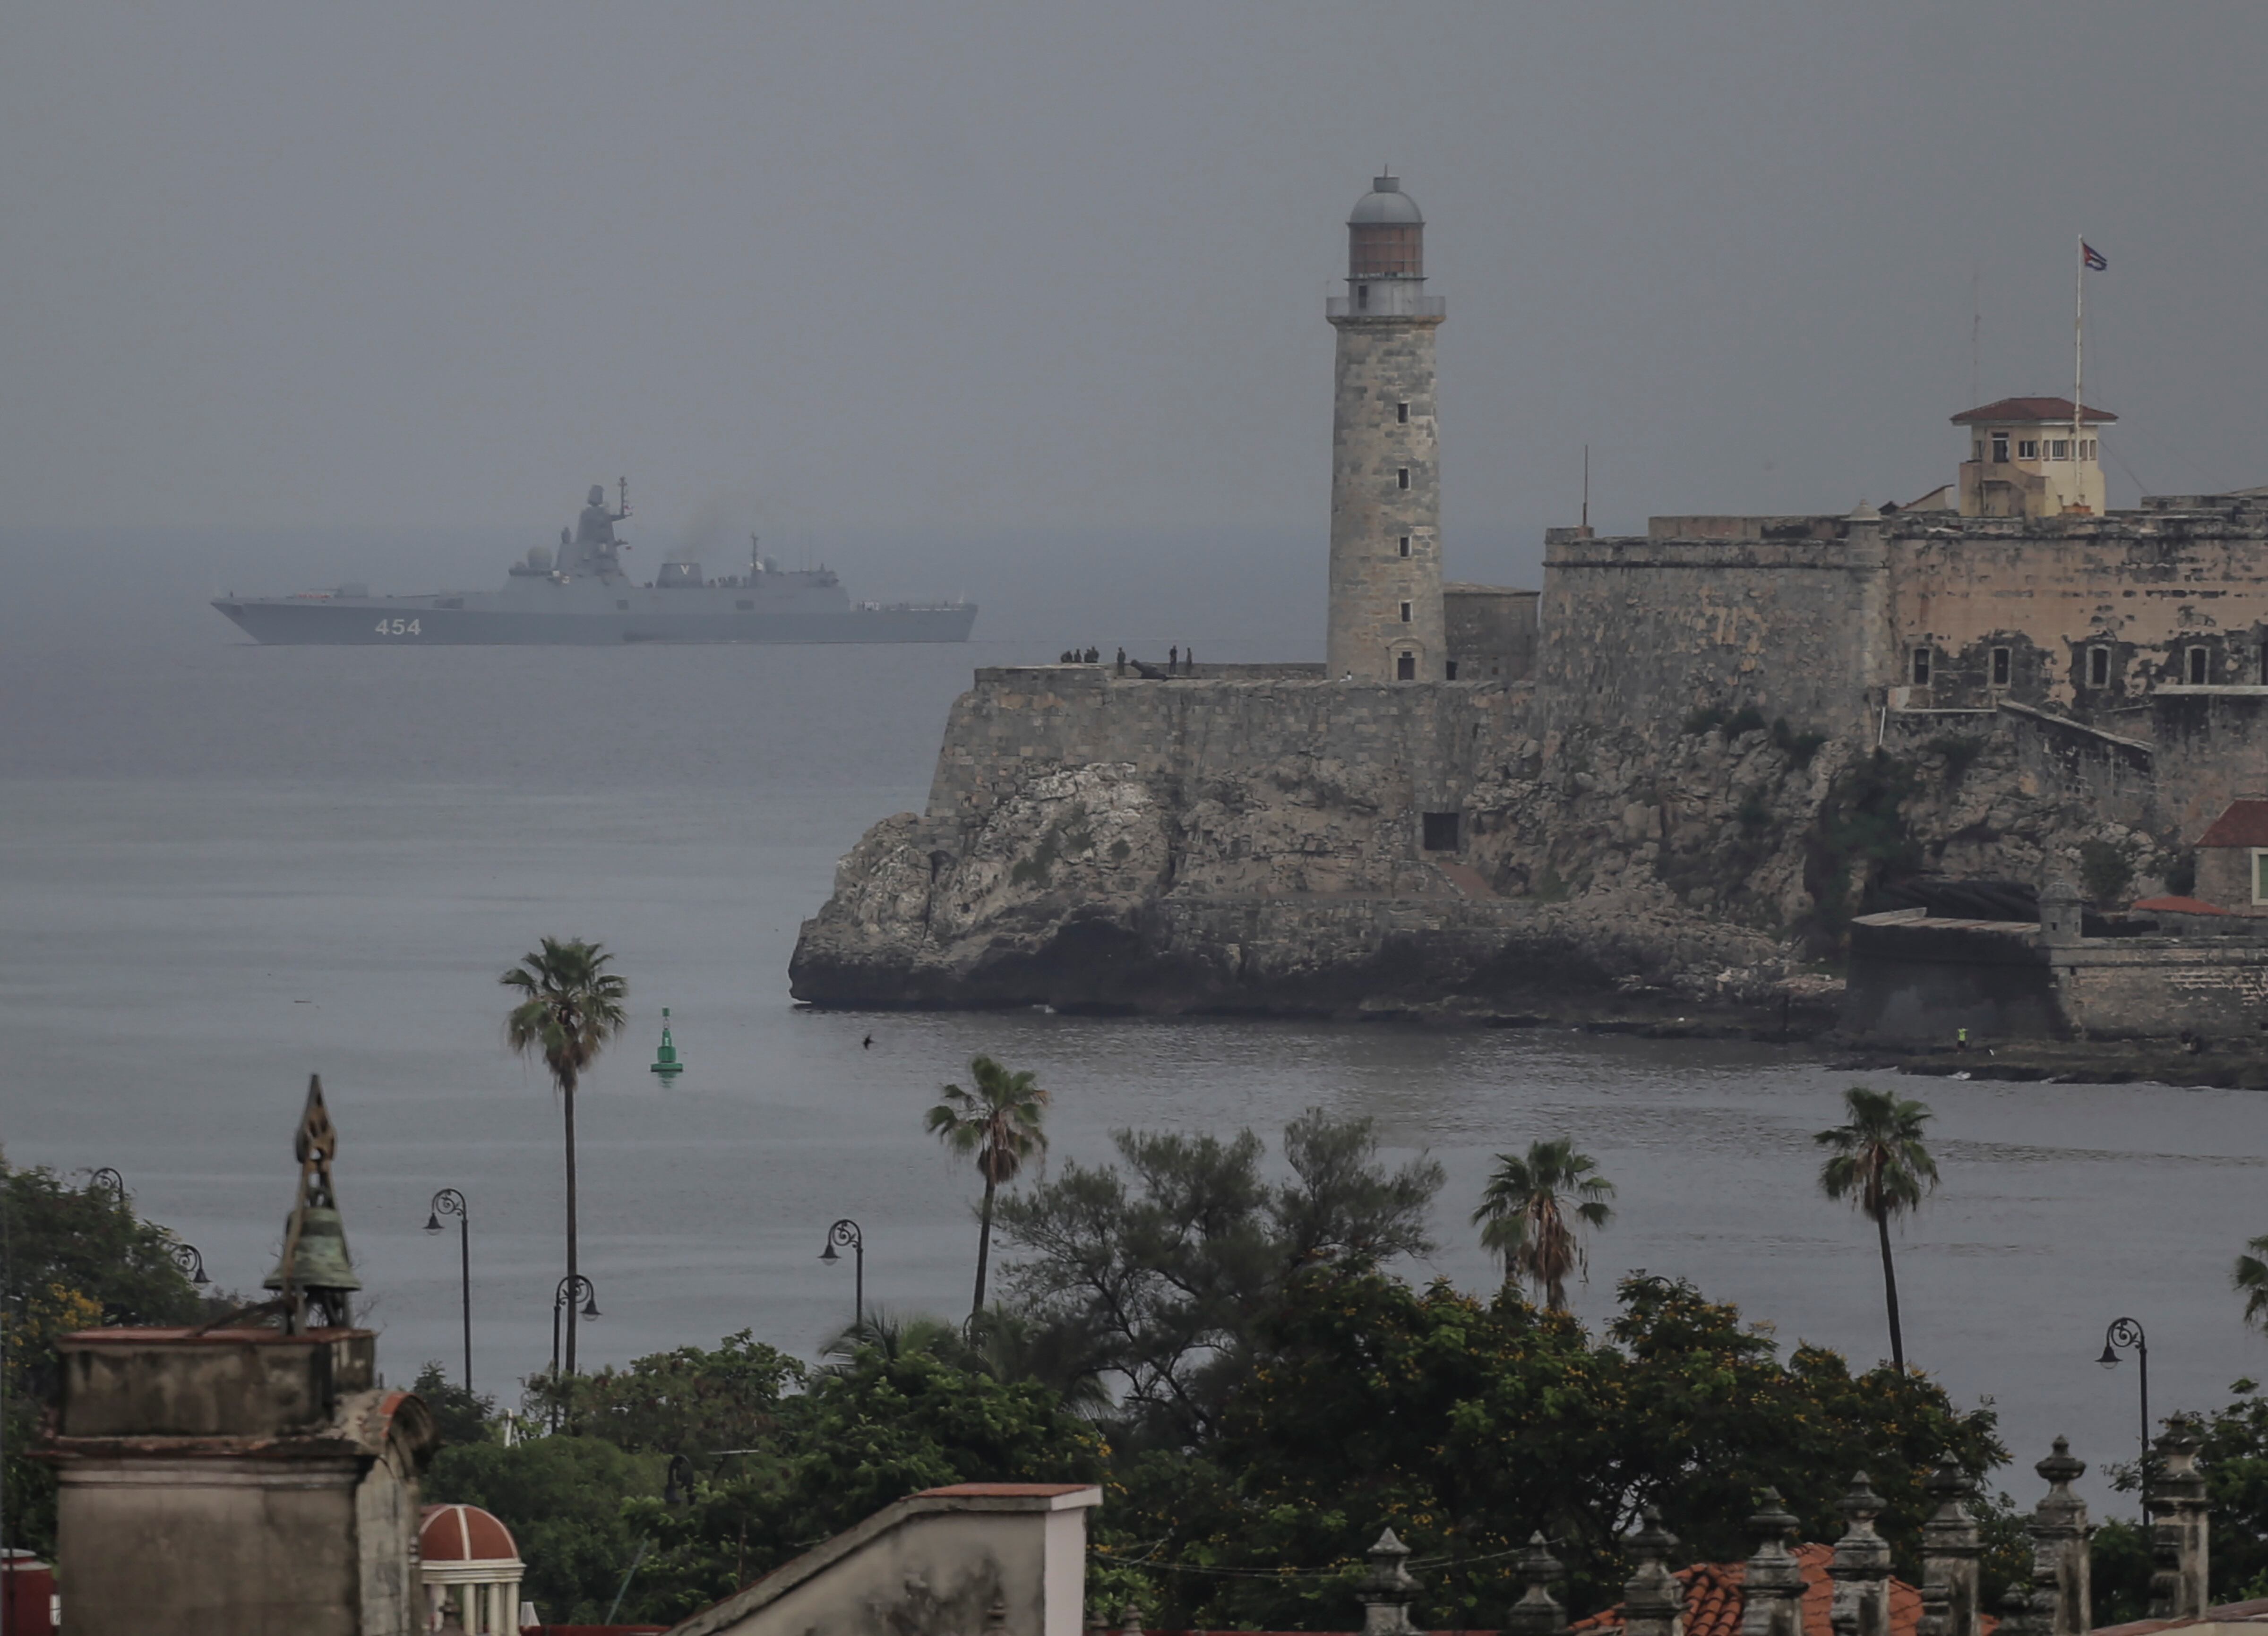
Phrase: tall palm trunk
[983,1245]
[1891,1289]
[569,1317]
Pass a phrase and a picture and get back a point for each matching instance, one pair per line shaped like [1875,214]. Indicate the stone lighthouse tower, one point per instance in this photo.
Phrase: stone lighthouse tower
[1386,486]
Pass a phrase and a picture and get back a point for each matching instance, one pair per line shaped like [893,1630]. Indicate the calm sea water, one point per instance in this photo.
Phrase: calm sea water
[223,867]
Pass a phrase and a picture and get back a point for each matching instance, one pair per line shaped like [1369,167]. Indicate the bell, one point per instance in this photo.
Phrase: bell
[321,1261]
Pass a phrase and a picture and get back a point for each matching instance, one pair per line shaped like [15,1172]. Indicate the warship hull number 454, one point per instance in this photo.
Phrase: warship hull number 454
[583,595]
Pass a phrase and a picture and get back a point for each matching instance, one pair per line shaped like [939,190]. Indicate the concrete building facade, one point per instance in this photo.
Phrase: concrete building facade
[2032,457]
[237,1482]
[1385,620]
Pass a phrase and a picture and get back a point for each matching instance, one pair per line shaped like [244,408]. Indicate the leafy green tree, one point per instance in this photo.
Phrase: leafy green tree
[77,1258]
[573,1006]
[2250,1279]
[814,1461]
[695,1401]
[1467,1426]
[1879,1166]
[1525,1215]
[461,1415]
[563,1498]
[1153,1276]
[999,1123]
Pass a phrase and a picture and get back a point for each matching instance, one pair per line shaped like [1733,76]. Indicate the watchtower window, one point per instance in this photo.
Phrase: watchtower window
[1450,669]
[1402,478]
[2028,448]
[1440,832]
[2098,667]
[1405,667]
[2200,667]
[1362,298]
[1405,546]
[1402,414]
[2059,449]
[1999,448]
[1405,613]
[1921,668]
[1999,667]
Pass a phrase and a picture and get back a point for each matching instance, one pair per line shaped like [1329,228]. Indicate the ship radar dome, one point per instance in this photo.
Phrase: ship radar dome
[1386,234]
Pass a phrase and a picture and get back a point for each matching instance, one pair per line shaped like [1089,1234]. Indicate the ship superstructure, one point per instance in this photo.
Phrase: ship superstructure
[582,594]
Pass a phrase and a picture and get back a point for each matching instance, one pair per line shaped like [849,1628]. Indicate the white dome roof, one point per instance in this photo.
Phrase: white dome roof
[1386,202]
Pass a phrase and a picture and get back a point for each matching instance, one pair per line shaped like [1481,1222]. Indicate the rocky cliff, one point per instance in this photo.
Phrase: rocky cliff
[1269,843]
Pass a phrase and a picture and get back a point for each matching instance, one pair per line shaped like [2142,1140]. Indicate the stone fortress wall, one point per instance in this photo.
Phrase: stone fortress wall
[1783,615]
[1672,778]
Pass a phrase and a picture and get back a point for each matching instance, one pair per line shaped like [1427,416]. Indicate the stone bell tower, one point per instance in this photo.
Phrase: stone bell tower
[1386,491]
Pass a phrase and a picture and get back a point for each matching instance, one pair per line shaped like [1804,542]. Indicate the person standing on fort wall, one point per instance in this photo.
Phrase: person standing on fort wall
[1386,619]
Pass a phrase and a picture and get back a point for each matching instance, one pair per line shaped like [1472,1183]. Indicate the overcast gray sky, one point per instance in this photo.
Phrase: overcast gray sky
[1016,266]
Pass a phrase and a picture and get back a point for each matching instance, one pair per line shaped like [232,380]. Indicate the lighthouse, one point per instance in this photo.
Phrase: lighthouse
[1386,485]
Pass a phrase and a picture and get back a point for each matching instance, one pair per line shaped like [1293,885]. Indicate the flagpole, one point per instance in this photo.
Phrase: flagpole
[2077,353]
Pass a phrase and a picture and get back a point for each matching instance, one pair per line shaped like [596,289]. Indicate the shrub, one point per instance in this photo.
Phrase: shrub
[2105,872]
[1799,747]
[1959,752]
[1708,718]
[1748,719]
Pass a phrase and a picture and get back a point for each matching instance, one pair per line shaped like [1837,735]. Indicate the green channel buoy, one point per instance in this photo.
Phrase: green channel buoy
[664,1060]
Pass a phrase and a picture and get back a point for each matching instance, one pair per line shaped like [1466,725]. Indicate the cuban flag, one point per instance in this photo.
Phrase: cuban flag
[2091,258]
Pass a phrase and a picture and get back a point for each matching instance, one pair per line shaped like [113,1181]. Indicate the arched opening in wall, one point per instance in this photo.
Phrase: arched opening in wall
[1440,832]
[1405,667]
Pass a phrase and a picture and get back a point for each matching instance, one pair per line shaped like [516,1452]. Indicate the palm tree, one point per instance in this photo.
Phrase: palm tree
[1000,1123]
[1880,1167]
[574,1007]
[2250,1279]
[1527,1215]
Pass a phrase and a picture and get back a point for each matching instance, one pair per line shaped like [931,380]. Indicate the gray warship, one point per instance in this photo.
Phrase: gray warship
[582,595]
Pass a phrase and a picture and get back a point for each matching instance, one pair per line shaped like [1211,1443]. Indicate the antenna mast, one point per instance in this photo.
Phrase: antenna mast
[1586,485]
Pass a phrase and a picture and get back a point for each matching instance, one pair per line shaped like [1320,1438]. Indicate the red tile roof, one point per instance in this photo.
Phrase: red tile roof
[2245,823]
[2040,412]
[2177,906]
[1714,1601]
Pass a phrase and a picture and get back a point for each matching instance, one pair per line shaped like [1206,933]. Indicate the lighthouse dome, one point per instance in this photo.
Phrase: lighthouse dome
[1385,204]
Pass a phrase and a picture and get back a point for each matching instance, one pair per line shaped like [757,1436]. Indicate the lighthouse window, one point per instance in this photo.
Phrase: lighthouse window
[1405,545]
[1403,477]
[1402,414]
[1405,613]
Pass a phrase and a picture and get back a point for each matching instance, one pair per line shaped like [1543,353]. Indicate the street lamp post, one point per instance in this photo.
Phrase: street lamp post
[678,1489]
[191,1261]
[572,1288]
[845,1232]
[106,1176]
[2126,1333]
[450,1201]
